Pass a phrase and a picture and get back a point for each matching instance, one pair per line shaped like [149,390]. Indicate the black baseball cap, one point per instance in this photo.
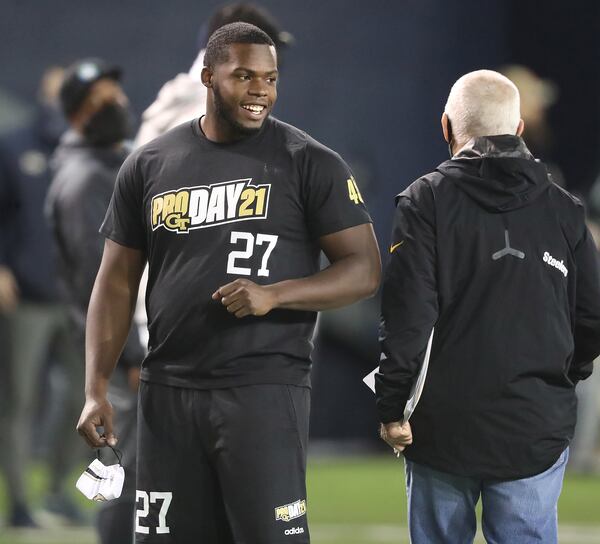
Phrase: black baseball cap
[78,79]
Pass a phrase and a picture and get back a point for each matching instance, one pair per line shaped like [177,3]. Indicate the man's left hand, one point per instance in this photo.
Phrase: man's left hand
[244,297]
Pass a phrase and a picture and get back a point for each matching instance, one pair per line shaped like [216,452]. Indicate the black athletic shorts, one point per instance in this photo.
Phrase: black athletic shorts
[222,466]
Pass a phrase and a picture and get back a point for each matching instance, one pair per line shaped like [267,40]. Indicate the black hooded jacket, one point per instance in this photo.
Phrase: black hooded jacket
[498,258]
[76,204]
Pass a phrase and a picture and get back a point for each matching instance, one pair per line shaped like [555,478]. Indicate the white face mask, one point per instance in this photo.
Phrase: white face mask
[100,482]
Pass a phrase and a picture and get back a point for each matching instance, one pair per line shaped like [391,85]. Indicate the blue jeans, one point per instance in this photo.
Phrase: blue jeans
[441,506]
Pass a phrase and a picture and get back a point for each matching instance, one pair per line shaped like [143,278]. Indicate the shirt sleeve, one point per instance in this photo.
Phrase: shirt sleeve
[409,308]
[332,197]
[124,222]
[587,309]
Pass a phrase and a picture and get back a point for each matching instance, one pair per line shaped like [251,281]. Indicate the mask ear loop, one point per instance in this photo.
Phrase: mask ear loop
[117,452]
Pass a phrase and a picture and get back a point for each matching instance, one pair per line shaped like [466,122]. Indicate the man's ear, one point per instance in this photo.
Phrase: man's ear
[445,129]
[206,76]
[521,127]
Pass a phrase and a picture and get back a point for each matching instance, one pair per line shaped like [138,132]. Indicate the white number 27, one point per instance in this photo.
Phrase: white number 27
[248,238]
[154,496]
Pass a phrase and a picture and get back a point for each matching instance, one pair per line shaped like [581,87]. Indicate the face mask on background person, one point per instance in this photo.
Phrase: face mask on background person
[109,125]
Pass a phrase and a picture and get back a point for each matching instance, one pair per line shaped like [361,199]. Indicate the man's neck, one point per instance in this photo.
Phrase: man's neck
[457,146]
[219,131]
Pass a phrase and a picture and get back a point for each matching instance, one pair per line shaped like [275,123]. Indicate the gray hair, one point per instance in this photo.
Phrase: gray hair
[483,103]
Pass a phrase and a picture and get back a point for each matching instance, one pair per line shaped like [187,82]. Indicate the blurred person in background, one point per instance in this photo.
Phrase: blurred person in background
[498,259]
[86,164]
[36,322]
[537,97]
[585,454]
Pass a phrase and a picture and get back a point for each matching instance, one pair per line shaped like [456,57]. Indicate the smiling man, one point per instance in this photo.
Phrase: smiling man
[241,105]
[231,212]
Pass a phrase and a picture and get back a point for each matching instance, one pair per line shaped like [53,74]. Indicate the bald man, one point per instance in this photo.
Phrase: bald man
[495,259]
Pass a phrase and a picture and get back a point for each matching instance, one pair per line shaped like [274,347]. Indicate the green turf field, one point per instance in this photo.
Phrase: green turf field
[356,501]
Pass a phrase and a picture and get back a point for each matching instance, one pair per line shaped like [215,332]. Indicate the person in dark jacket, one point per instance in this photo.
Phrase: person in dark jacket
[86,165]
[37,342]
[495,259]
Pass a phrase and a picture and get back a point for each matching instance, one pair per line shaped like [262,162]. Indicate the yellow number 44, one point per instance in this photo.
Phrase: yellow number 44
[353,191]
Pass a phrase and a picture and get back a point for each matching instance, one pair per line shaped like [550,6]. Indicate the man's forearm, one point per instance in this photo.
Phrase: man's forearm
[109,318]
[108,322]
[346,281]
[354,274]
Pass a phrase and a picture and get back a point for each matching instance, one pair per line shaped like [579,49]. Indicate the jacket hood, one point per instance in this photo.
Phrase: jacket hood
[498,172]
[181,99]
[73,146]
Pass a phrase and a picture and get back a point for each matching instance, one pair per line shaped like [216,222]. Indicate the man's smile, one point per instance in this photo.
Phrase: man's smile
[255,109]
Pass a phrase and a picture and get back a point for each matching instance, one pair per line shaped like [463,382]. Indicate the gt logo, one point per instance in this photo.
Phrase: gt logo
[294,531]
[177,223]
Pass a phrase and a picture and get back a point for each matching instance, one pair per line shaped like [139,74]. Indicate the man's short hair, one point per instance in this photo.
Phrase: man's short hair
[217,48]
[249,13]
[483,103]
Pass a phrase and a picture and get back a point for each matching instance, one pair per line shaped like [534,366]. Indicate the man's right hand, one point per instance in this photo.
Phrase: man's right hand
[9,291]
[97,413]
[397,434]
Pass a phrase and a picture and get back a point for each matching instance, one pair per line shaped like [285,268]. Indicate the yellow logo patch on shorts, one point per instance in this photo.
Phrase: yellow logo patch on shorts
[290,511]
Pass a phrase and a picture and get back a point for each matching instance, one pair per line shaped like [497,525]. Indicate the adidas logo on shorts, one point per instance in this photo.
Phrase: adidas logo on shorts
[294,531]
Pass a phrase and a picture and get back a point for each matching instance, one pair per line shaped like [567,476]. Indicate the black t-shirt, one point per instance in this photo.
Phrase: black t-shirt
[206,214]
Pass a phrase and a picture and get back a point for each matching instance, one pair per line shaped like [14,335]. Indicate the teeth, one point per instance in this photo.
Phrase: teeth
[254,108]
